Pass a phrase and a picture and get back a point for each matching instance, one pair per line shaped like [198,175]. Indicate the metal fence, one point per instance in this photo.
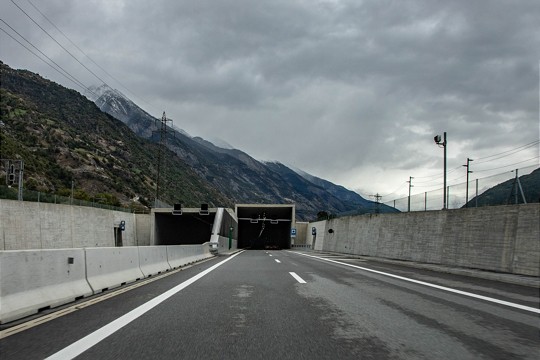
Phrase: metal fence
[457,194]
[35,196]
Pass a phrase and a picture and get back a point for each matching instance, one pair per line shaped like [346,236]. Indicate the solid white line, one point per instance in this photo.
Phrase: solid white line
[92,339]
[277,261]
[298,278]
[444,288]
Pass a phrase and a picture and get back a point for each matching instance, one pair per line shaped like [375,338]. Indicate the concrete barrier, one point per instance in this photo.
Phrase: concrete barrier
[181,255]
[153,260]
[31,280]
[107,268]
[223,245]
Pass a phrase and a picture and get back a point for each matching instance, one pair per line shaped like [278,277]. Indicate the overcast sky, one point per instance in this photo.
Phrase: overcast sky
[350,91]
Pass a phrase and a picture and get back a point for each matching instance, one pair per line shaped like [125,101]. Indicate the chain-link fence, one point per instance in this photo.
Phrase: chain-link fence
[11,193]
[479,193]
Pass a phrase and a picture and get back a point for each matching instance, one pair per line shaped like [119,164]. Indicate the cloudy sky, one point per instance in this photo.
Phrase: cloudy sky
[350,91]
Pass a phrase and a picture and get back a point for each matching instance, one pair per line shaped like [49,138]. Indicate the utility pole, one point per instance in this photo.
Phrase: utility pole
[442,144]
[162,144]
[467,187]
[409,198]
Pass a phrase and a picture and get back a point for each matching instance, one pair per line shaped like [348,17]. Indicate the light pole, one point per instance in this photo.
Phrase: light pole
[442,144]
[467,187]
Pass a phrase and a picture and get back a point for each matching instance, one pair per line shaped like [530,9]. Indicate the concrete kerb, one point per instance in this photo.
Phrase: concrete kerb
[107,268]
[33,280]
[476,273]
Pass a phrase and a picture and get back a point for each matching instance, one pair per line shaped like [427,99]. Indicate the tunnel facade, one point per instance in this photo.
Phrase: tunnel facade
[264,226]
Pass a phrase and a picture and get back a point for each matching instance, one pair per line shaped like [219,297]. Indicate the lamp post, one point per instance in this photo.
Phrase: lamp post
[442,144]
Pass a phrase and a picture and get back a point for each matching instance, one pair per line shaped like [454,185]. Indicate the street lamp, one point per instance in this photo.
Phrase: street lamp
[442,144]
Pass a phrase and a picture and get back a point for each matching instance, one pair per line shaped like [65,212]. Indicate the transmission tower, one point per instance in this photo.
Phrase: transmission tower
[377,198]
[163,131]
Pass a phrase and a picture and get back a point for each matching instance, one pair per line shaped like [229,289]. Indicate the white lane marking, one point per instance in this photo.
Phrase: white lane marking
[78,306]
[97,336]
[270,254]
[444,288]
[298,278]
[279,262]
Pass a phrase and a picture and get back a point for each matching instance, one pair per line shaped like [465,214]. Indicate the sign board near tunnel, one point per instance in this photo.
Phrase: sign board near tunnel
[293,232]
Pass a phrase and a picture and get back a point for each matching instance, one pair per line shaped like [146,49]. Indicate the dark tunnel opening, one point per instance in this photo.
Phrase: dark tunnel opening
[269,236]
[265,226]
[185,229]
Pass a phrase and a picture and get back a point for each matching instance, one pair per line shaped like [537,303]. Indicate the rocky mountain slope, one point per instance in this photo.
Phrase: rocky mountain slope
[112,148]
[63,137]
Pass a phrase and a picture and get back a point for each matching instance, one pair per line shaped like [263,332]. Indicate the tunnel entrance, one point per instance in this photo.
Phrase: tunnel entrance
[191,227]
[265,226]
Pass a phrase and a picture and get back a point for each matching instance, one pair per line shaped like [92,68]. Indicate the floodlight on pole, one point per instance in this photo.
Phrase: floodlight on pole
[442,144]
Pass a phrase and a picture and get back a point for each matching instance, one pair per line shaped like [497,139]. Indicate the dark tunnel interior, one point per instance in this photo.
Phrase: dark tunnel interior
[185,229]
[264,227]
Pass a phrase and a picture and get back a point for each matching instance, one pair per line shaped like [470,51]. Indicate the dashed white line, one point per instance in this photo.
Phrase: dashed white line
[279,262]
[298,278]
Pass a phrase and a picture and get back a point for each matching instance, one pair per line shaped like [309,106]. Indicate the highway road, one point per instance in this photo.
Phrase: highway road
[291,305]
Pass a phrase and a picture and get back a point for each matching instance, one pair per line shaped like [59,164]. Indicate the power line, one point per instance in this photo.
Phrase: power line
[65,73]
[505,166]
[56,41]
[70,77]
[88,56]
[508,152]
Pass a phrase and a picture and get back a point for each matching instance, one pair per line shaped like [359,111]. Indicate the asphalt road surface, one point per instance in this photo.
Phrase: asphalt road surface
[291,305]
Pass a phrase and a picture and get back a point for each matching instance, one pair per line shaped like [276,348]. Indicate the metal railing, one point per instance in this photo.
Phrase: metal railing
[41,197]
[456,194]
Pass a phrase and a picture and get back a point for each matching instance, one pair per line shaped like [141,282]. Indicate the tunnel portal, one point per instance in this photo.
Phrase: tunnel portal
[265,226]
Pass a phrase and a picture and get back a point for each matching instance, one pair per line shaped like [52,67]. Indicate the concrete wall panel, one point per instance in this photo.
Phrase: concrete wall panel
[30,225]
[111,267]
[153,260]
[34,279]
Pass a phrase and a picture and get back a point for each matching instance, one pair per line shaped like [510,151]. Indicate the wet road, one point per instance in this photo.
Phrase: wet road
[294,305]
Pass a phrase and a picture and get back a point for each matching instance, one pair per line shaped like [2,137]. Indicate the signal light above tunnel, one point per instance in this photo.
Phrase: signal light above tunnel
[177,209]
[204,209]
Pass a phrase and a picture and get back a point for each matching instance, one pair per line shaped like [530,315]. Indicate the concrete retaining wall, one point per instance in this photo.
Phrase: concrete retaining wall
[498,238]
[31,280]
[31,225]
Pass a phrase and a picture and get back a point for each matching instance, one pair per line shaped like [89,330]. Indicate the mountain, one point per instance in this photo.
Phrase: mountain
[236,174]
[504,193]
[110,146]
[64,137]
